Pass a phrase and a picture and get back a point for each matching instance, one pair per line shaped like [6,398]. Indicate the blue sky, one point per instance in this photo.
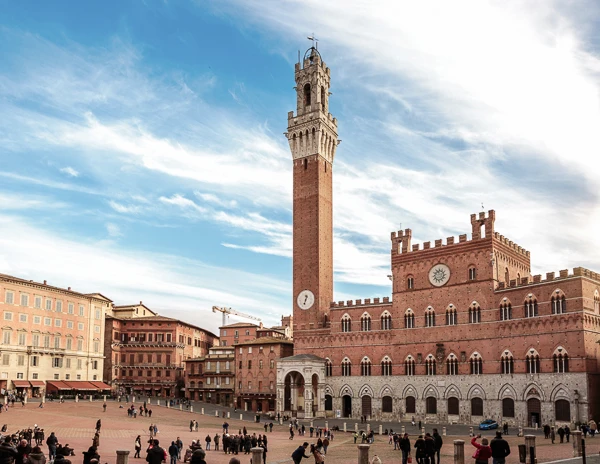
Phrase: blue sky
[142,152]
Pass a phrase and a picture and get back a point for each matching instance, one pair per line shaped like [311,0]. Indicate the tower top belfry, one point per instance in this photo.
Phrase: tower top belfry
[313,130]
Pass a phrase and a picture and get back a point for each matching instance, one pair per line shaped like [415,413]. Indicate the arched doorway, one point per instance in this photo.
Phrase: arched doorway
[534,411]
[347,406]
[562,410]
[366,406]
[293,399]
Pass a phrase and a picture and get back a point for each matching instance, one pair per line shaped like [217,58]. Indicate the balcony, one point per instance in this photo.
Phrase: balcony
[144,343]
[45,350]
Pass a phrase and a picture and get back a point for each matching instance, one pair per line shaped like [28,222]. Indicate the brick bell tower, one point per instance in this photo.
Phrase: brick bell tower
[312,135]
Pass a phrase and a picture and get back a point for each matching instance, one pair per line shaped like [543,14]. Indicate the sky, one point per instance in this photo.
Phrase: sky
[142,152]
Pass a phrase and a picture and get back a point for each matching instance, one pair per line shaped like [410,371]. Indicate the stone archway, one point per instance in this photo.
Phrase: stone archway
[300,386]
[294,390]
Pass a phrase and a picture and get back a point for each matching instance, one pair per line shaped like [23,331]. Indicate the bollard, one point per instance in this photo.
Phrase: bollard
[228,415]
[77,398]
[459,452]
[202,411]
[344,427]
[423,431]
[577,448]
[356,427]
[157,402]
[191,408]
[105,398]
[380,429]
[216,413]
[25,399]
[327,425]
[180,407]
[530,448]
[241,417]
[280,420]
[363,454]
[122,456]
[444,431]
[403,430]
[470,431]
[312,424]
[520,432]
[257,454]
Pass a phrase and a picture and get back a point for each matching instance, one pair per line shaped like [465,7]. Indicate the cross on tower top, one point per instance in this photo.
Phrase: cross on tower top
[315,41]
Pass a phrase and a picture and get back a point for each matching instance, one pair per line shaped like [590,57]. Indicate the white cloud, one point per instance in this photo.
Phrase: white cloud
[69,171]
[125,209]
[113,230]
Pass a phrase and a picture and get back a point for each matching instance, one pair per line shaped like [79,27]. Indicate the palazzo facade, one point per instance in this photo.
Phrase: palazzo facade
[468,333]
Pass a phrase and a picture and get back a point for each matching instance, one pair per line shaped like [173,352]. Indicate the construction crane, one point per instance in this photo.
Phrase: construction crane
[227,311]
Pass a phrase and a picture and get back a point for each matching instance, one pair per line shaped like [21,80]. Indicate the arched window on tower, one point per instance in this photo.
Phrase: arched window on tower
[506,277]
[507,362]
[365,367]
[307,94]
[429,317]
[386,366]
[451,318]
[558,302]
[452,365]
[472,273]
[386,321]
[346,368]
[410,282]
[505,310]
[409,319]
[328,368]
[346,323]
[365,322]
[430,365]
[474,313]
[597,302]
[531,306]
[409,365]
[560,360]
[476,364]
[532,361]
[323,99]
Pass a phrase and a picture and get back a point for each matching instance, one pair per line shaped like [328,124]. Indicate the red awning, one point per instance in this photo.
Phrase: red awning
[81,385]
[20,383]
[101,385]
[37,383]
[58,385]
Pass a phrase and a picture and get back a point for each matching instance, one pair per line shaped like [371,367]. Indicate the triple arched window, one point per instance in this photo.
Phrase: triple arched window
[386,366]
[409,365]
[386,321]
[429,317]
[409,319]
[474,313]
[452,365]
[558,303]
[346,323]
[505,310]
[476,364]
[365,322]
[508,363]
[560,360]
[532,360]
[531,306]
[451,318]
[430,365]
[365,367]
[346,368]
[328,368]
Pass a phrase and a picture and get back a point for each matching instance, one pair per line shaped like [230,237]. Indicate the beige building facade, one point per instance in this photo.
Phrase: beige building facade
[52,338]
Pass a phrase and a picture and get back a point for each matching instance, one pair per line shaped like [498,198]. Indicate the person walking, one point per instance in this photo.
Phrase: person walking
[173,451]
[483,452]
[138,446]
[156,455]
[319,457]
[325,445]
[104,407]
[179,445]
[98,425]
[404,445]
[438,442]
[546,431]
[552,435]
[561,434]
[420,450]
[299,453]
[500,449]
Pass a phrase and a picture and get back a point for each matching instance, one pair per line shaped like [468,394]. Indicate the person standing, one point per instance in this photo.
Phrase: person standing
[319,458]
[405,448]
[500,449]
[561,434]
[483,452]
[52,441]
[208,440]
[546,431]
[173,451]
[98,425]
[104,407]
[138,446]
[567,432]
[8,453]
[420,450]
[429,449]
[156,455]
[552,434]
[216,441]
[179,445]
[438,442]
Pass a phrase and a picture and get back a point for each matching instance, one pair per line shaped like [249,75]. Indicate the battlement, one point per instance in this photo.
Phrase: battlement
[550,277]
[401,240]
[316,61]
[366,302]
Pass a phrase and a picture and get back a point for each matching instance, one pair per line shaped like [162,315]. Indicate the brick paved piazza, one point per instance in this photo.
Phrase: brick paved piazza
[74,424]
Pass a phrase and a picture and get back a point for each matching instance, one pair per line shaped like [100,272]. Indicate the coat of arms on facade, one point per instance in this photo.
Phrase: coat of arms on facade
[440,353]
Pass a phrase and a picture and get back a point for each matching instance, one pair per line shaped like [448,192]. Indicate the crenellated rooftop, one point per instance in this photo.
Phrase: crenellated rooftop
[550,277]
[366,302]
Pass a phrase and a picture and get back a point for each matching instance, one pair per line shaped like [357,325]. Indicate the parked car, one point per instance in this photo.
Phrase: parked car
[488,424]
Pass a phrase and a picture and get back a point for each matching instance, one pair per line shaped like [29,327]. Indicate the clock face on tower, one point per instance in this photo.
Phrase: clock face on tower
[305,299]
[439,275]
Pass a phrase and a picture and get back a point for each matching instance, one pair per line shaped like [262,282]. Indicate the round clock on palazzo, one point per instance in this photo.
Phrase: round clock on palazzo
[439,275]
[305,299]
